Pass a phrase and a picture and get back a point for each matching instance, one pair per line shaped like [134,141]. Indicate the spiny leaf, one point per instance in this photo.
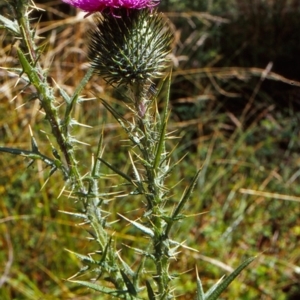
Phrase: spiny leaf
[96,166]
[116,115]
[82,257]
[34,145]
[64,94]
[28,69]
[29,154]
[187,194]
[115,170]
[52,171]
[103,289]
[37,155]
[140,268]
[160,146]
[211,290]
[217,289]
[106,250]
[200,292]
[77,215]
[10,25]
[142,160]
[139,226]
[30,163]
[166,110]
[182,202]
[82,270]
[172,167]
[55,153]
[150,292]
[130,287]
[72,101]
[135,171]
[126,266]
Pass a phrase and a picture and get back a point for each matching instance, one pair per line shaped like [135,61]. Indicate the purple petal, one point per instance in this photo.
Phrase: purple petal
[99,5]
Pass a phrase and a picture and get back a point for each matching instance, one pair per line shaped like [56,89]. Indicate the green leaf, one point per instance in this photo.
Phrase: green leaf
[34,145]
[215,291]
[186,195]
[83,258]
[160,146]
[140,268]
[115,170]
[130,287]
[166,110]
[96,167]
[64,94]
[83,82]
[74,214]
[184,199]
[52,171]
[28,69]
[73,100]
[139,226]
[126,266]
[106,251]
[116,115]
[29,154]
[12,26]
[99,288]
[200,292]
[150,292]
[135,171]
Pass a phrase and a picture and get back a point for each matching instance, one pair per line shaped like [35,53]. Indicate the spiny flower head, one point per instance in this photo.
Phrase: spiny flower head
[92,6]
[131,49]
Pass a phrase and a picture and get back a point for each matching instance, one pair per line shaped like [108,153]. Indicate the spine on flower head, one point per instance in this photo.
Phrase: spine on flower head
[130,49]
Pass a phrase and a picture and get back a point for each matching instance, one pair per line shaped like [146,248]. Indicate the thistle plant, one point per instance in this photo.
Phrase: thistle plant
[129,47]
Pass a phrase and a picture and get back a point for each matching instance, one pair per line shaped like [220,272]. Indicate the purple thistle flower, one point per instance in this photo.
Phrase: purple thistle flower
[92,6]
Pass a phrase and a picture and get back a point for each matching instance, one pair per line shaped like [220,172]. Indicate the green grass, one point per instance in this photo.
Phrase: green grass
[250,165]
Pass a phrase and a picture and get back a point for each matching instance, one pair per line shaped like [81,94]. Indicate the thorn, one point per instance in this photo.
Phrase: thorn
[13,99]
[80,99]
[84,223]
[74,122]
[20,106]
[62,190]
[35,7]
[55,82]
[30,130]
[79,142]
[45,183]
[70,194]
[198,214]
[18,80]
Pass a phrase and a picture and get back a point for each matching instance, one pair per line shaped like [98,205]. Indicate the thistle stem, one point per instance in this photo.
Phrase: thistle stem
[87,196]
[150,129]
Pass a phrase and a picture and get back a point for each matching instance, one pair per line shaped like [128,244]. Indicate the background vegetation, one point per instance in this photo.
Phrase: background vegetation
[236,108]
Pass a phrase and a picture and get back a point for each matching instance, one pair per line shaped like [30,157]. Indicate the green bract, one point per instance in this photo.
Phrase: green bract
[130,49]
